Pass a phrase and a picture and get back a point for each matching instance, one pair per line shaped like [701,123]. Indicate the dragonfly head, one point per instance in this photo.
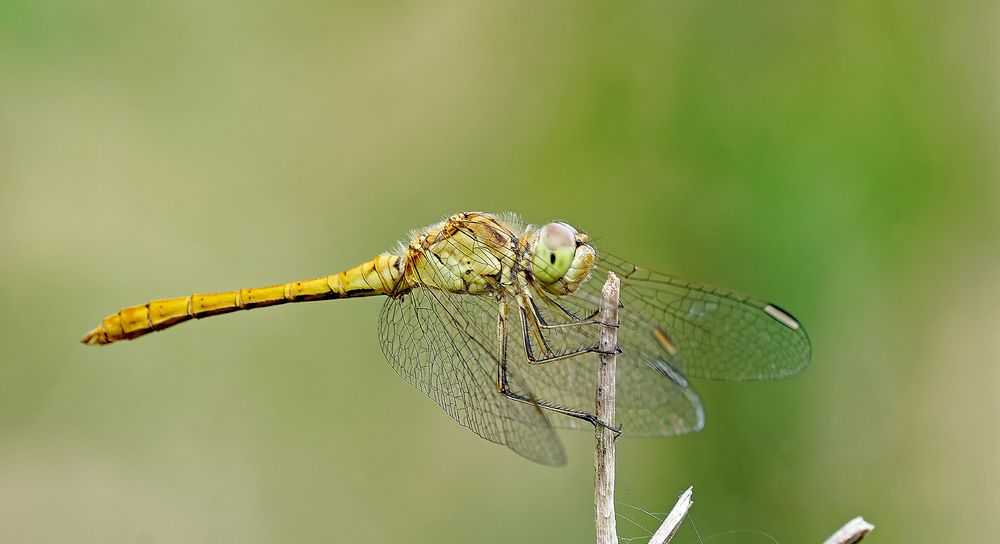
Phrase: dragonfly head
[560,257]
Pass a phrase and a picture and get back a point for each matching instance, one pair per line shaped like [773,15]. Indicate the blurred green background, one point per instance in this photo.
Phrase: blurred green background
[837,157]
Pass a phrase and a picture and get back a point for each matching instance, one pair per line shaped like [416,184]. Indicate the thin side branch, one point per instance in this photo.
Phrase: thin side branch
[604,453]
[852,532]
[674,519]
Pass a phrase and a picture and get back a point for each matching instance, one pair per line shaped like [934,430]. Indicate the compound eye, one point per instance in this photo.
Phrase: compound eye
[553,252]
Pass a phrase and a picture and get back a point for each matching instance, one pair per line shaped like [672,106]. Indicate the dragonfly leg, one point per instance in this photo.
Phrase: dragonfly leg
[572,320]
[502,384]
[579,414]
[529,326]
[551,357]
[526,299]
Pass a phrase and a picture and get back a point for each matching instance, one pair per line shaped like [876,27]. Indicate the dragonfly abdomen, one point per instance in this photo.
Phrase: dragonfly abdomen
[379,276]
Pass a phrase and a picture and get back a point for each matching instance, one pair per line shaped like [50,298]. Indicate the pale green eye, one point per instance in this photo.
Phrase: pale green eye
[553,252]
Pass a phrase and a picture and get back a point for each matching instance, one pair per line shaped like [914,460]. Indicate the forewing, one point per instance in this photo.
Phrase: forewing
[703,331]
[446,346]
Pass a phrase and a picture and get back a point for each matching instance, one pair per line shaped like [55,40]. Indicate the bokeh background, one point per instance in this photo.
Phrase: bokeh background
[837,157]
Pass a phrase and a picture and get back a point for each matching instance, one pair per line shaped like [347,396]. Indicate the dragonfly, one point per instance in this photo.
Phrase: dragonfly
[497,322]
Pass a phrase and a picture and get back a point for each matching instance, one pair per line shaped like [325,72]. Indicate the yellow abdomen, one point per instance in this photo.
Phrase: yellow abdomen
[379,276]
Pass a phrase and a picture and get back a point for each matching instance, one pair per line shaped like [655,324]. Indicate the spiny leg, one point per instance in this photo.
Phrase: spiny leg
[525,294]
[579,414]
[502,384]
[526,322]
[534,331]
[572,320]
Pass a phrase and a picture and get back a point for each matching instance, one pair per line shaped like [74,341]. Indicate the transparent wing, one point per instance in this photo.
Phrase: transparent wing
[446,346]
[652,399]
[702,331]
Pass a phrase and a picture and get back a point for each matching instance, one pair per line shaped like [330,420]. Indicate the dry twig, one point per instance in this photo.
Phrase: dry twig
[852,532]
[674,519]
[604,453]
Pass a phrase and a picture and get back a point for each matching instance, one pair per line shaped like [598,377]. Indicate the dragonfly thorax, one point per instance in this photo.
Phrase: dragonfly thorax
[469,253]
[477,253]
